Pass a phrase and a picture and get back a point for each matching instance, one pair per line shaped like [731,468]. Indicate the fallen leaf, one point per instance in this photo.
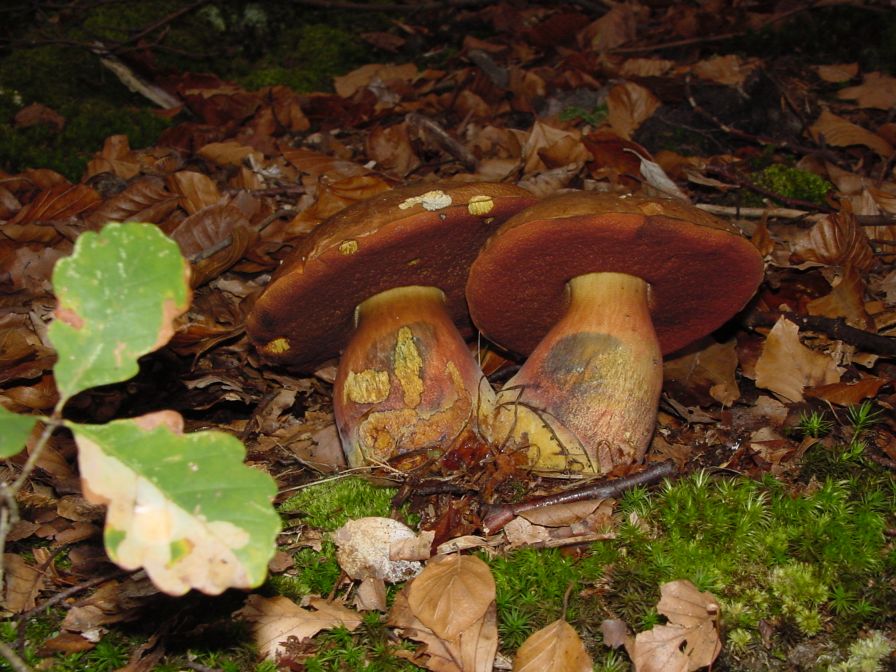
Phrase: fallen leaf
[848,394]
[838,72]
[557,647]
[22,582]
[837,131]
[628,106]
[730,69]
[705,375]
[877,91]
[689,642]
[787,367]
[451,594]
[278,618]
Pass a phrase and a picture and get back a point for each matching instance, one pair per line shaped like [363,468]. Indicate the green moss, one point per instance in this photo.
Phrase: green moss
[306,58]
[88,124]
[793,183]
[329,504]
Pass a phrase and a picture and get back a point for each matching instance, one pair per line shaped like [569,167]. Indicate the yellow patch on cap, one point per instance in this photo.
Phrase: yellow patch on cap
[408,365]
[348,247]
[370,386]
[480,205]
[276,347]
[651,209]
[431,200]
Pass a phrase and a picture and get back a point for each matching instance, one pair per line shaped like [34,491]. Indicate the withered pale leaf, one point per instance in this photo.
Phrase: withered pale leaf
[390,147]
[708,373]
[690,641]
[838,72]
[628,106]
[559,515]
[196,190]
[877,91]
[848,394]
[836,240]
[547,147]
[615,632]
[275,619]
[846,300]
[348,84]
[22,582]
[146,199]
[557,647]
[229,153]
[451,594]
[729,69]
[787,367]
[837,131]
[207,227]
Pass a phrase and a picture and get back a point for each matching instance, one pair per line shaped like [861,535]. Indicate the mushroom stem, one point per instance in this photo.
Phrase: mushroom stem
[407,380]
[585,400]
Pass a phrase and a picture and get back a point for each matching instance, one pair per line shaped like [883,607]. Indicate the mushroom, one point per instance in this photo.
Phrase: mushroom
[595,288]
[382,281]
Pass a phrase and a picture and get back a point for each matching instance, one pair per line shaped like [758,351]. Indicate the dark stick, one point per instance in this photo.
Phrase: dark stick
[833,327]
[496,516]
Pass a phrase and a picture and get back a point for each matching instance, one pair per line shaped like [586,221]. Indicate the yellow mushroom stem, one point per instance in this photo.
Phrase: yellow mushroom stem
[407,380]
[585,401]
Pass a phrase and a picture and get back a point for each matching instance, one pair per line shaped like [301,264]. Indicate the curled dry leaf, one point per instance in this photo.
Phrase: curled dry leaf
[787,367]
[730,70]
[276,619]
[690,640]
[628,106]
[557,647]
[846,300]
[473,650]
[451,594]
[837,131]
[877,91]
[705,375]
[362,549]
[196,190]
[836,240]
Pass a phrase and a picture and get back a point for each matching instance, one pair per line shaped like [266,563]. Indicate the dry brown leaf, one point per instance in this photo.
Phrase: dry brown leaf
[628,106]
[196,191]
[837,131]
[616,27]
[730,70]
[557,647]
[838,72]
[229,153]
[547,147]
[146,199]
[56,203]
[877,91]
[335,196]
[451,594]
[207,227]
[559,515]
[836,240]
[846,300]
[347,85]
[615,632]
[708,373]
[646,67]
[689,642]
[390,147]
[278,618]
[473,650]
[848,394]
[23,582]
[787,367]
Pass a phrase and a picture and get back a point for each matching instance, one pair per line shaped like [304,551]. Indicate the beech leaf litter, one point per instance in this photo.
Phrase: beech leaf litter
[620,98]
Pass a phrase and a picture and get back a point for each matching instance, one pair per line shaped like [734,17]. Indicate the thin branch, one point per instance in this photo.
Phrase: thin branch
[836,328]
[497,516]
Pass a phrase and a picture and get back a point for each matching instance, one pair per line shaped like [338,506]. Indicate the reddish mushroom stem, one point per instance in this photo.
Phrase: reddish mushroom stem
[407,380]
[586,398]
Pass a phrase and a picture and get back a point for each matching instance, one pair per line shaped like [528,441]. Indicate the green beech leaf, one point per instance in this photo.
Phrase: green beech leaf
[118,295]
[182,506]
[14,431]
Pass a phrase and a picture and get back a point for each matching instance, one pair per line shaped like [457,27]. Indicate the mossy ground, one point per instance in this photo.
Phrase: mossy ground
[254,44]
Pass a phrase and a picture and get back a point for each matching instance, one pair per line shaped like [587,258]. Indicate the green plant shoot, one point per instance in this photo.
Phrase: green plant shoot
[183,506]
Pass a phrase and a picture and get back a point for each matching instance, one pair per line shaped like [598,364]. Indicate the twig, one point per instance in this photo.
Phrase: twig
[15,662]
[836,328]
[497,516]
[752,213]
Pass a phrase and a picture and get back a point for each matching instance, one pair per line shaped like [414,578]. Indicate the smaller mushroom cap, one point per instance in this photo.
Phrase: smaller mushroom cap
[700,270]
[425,234]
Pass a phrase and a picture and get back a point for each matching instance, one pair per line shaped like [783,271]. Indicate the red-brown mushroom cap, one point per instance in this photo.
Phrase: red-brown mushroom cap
[426,234]
[700,270]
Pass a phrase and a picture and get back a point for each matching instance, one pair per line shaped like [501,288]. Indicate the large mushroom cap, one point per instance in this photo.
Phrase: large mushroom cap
[426,234]
[700,270]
